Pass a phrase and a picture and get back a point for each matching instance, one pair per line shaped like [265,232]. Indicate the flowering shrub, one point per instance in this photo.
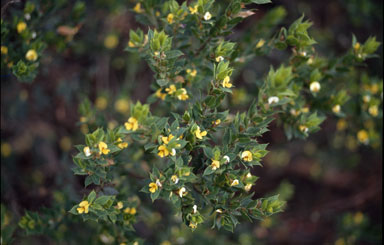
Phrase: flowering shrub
[202,153]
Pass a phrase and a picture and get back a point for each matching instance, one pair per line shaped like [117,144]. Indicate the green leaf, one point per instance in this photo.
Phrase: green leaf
[91,196]
[261,1]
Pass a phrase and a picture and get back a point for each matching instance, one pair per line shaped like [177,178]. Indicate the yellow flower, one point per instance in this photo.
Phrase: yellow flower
[160,95]
[247,156]
[217,122]
[175,179]
[341,125]
[315,87]
[131,44]
[130,211]
[194,9]
[303,128]
[31,55]
[336,108]
[235,182]
[183,95]
[21,26]
[103,148]
[356,46]
[200,134]
[374,88]
[193,225]
[138,8]
[373,110]
[153,187]
[163,151]
[157,13]
[83,207]
[260,43]
[4,50]
[363,136]
[119,205]
[132,124]
[193,72]
[207,16]
[101,103]
[248,187]
[171,89]
[111,41]
[122,145]
[219,58]
[305,110]
[226,83]
[170,18]
[87,151]
[182,192]
[122,106]
[166,139]
[215,164]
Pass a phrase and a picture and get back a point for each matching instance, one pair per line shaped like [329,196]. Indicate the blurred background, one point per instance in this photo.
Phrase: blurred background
[332,184]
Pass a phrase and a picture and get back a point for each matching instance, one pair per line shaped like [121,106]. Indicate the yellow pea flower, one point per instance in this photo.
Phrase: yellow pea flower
[191,72]
[171,89]
[122,105]
[21,26]
[200,134]
[119,205]
[166,139]
[215,164]
[235,182]
[132,124]
[303,128]
[193,225]
[153,187]
[87,151]
[248,187]
[363,136]
[130,211]
[336,108]
[101,103]
[122,145]
[111,41]
[103,148]
[356,46]
[31,55]
[217,122]
[315,87]
[219,58]
[183,95]
[194,9]
[138,8]
[260,43]
[247,156]
[341,125]
[170,18]
[4,50]
[83,207]
[163,151]
[175,179]
[373,110]
[226,82]
[207,16]
[160,95]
